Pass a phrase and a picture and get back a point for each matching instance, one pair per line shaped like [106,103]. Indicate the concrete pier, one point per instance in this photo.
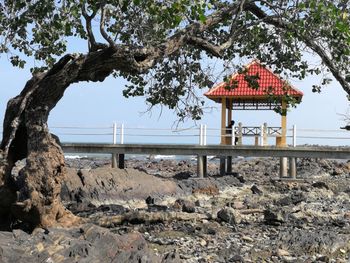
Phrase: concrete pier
[216,150]
[201,166]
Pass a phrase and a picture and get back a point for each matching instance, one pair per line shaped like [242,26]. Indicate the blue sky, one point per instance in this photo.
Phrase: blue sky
[101,104]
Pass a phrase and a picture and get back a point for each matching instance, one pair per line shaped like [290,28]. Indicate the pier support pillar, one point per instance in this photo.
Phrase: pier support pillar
[229,164]
[283,167]
[292,167]
[121,161]
[222,165]
[114,160]
[201,166]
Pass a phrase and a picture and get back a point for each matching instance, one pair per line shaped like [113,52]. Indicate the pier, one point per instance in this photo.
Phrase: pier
[290,154]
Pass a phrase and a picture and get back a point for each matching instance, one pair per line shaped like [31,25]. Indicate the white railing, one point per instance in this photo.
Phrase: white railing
[201,134]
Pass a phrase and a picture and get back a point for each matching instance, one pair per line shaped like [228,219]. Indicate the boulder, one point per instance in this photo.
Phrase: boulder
[89,243]
[228,215]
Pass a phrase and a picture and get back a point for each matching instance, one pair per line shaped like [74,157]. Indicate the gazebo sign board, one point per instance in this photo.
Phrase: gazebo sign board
[238,94]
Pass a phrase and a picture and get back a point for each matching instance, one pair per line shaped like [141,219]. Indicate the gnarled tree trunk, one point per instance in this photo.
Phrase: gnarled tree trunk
[33,196]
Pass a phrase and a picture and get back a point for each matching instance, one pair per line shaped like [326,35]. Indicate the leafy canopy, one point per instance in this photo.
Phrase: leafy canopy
[179,42]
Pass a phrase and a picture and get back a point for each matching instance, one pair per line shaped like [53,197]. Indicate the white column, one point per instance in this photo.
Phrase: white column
[201,134]
[294,135]
[240,133]
[122,133]
[233,135]
[114,133]
[262,135]
[205,134]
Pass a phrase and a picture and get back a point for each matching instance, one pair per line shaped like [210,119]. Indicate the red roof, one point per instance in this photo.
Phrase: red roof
[269,84]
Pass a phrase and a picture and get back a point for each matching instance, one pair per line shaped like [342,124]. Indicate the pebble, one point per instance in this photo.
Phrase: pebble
[282,253]
[248,239]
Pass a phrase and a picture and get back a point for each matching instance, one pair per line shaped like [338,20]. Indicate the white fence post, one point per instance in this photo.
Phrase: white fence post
[122,133]
[201,134]
[266,133]
[114,133]
[233,135]
[294,135]
[262,135]
[240,133]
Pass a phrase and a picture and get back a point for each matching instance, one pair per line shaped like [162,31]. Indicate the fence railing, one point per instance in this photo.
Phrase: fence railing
[118,133]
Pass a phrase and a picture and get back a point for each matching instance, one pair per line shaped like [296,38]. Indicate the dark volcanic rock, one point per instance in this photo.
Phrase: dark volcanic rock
[88,244]
[256,190]
[105,185]
[185,206]
[273,217]
[291,199]
[227,215]
[326,242]
[150,200]
[172,257]
[320,185]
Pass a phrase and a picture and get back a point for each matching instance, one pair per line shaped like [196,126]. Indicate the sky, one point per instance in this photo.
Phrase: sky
[102,104]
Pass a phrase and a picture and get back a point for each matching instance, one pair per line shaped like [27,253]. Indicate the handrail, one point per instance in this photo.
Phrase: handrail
[201,132]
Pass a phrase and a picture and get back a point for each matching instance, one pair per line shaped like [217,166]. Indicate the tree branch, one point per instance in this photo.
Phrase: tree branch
[93,45]
[205,45]
[308,40]
[102,28]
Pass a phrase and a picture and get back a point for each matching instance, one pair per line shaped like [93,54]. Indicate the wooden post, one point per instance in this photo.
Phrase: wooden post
[256,140]
[229,119]
[223,121]
[229,138]
[284,124]
[223,135]
[283,160]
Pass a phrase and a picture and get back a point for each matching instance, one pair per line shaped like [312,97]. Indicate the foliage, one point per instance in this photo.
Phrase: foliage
[177,37]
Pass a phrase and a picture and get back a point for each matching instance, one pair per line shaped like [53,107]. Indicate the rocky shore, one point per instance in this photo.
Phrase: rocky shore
[158,211]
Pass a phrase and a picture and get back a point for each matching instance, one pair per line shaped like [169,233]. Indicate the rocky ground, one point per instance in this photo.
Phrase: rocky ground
[158,211]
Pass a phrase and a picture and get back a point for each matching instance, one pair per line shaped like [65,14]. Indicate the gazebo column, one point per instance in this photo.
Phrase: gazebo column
[223,121]
[229,139]
[283,160]
[284,124]
[223,135]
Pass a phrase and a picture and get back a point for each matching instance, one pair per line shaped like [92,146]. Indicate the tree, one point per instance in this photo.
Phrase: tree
[158,46]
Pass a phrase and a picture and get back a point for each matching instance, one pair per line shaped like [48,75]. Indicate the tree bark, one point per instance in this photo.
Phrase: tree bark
[33,195]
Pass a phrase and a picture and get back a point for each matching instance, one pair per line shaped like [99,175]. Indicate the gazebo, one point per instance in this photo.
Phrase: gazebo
[255,88]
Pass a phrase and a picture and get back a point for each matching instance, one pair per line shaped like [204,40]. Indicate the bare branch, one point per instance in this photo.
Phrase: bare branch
[93,45]
[102,28]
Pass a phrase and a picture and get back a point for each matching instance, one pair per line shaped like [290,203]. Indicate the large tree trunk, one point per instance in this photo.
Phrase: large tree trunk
[33,195]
